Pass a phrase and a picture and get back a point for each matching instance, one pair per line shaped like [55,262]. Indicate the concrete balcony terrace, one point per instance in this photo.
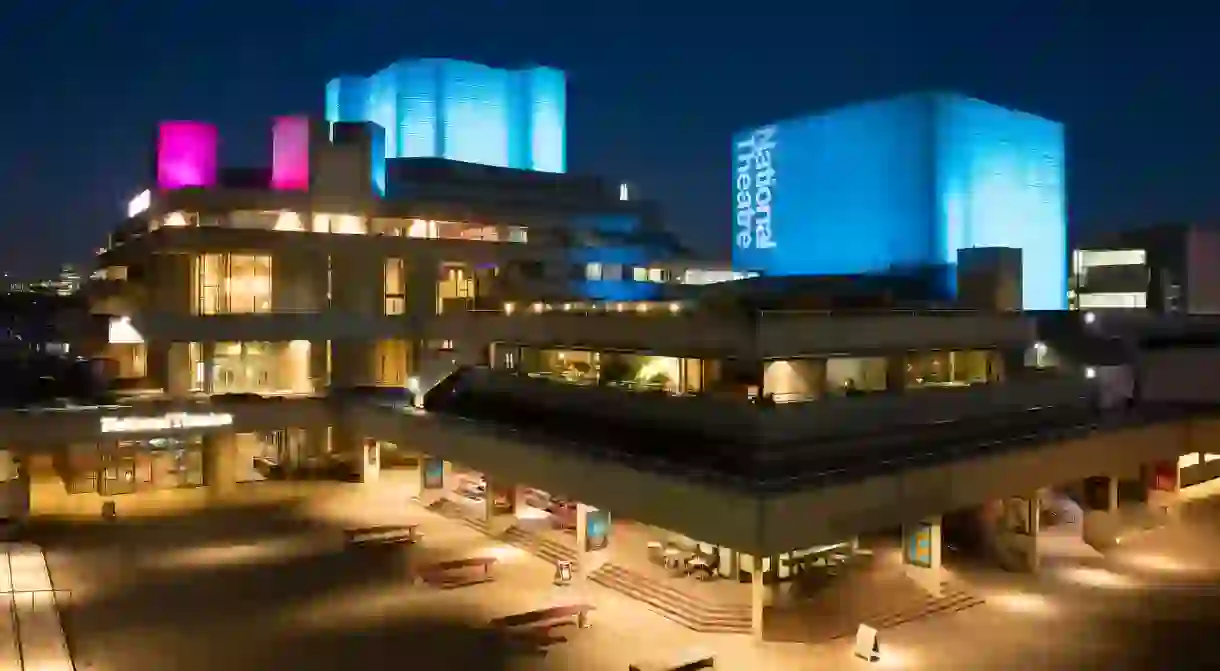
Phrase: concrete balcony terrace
[768,334]
[766,492]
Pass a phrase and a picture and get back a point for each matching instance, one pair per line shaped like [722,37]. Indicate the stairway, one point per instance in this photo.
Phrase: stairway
[837,613]
[691,612]
[688,611]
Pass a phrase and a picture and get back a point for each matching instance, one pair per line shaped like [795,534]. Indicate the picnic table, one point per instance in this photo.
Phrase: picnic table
[455,572]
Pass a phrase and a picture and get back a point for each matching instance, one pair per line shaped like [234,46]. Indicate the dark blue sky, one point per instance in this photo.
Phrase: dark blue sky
[656,88]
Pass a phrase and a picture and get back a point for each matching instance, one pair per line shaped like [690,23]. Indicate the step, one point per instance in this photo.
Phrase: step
[689,612]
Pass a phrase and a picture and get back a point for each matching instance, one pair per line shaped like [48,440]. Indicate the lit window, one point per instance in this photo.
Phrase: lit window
[657,275]
[639,274]
[593,271]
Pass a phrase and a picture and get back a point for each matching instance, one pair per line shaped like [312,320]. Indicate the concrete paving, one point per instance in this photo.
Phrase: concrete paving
[271,586]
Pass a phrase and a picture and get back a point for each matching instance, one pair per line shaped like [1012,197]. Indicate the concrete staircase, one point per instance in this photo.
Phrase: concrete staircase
[691,612]
[837,614]
[688,611]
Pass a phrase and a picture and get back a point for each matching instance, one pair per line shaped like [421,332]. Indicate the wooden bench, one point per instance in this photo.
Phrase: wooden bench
[579,613]
[383,535]
[449,573]
[690,660]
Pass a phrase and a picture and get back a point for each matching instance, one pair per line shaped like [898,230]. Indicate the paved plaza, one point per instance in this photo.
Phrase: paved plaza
[271,585]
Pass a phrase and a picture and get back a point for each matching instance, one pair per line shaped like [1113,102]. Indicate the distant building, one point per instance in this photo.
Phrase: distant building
[1173,268]
[899,183]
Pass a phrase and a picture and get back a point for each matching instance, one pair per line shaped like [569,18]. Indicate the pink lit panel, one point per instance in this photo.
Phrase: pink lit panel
[290,153]
[186,154]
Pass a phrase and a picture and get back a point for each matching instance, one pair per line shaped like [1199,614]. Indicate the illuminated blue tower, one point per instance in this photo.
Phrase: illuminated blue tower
[903,182]
[461,111]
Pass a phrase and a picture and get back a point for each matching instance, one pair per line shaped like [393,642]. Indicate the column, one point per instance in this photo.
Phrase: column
[220,463]
[921,554]
[435,477]
[1101,511]
[592,538]
[1017,532]
[178,373]
[1163,483]
[208,358]
[758,596]
[368,470]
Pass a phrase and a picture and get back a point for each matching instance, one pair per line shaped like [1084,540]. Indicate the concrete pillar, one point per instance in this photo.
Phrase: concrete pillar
[758,598]
[351,363]
[435,479]
[208,358]
[220,463]
[1017,532]
[592,537]
[369,467]
[921,554]
[1163,483]
[1101,522]
[178,373]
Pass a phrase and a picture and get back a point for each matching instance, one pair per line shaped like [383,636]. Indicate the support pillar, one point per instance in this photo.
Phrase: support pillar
[758,597]
[220,463]
[1017,533]
[1164,484]
[435,477]
[592,538]
[921,554]
[1101,511]
[369,467]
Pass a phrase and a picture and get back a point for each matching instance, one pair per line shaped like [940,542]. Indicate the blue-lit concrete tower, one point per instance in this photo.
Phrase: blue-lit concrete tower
[461,111]
[903,182]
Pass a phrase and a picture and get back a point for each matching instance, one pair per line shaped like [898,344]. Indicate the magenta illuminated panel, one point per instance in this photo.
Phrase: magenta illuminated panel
[186,154]
[290,153]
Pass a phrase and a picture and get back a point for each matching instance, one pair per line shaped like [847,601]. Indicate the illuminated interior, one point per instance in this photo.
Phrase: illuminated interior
[268,368]
[232,284]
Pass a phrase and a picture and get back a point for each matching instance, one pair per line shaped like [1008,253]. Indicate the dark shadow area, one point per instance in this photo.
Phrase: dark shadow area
[128,611]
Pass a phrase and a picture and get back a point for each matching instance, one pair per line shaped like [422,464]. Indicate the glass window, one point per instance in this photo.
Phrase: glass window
[593,271]
[659,275]
[639,274]
[851,375]
[395,287]
[232,283]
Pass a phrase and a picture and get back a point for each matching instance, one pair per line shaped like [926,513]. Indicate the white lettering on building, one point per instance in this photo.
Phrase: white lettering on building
[753,188]
[168,422]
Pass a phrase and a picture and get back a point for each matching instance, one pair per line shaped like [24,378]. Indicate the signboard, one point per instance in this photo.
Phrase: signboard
[174,421]
[917,550]
[139,204]
[868,645]
[434,473]
[597,529]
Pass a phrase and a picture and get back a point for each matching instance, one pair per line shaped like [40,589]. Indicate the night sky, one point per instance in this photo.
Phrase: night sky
[656,88]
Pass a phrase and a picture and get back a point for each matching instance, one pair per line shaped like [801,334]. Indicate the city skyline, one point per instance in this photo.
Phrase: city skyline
[656,109]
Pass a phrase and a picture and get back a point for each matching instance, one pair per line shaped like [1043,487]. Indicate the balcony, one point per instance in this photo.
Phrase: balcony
[765,335]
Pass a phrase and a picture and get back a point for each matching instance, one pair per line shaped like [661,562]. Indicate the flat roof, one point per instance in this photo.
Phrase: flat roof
[802,463]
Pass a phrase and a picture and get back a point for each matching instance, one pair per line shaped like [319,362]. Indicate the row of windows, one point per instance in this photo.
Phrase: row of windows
[349,224]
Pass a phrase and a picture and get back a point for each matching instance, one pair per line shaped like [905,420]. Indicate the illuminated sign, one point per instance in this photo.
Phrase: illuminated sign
[140,203]
[169,422]
[754,188]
